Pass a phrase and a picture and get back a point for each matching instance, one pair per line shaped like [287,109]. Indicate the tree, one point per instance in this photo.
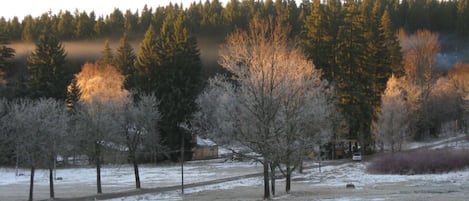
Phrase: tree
[46,66]
[124,61]
[106,57]
[102,94]
[391,124]
[267,105]
[146,61]
[420,51]
[459,76]
[169,66]
[6,55]
[136,122]
[38,126]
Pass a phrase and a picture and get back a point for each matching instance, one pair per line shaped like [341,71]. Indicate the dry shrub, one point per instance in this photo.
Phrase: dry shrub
[420,162]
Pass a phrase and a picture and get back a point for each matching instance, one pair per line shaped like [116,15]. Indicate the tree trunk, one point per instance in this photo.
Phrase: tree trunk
[266,181]
[300,166]
[288,180]
[51,182]
[272,178]
[31,183]
[137,176]
[98,168]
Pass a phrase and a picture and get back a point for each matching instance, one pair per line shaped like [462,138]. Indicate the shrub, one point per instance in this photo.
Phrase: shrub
[420,162]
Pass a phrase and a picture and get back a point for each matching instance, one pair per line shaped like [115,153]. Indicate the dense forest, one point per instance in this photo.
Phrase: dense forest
[211,18]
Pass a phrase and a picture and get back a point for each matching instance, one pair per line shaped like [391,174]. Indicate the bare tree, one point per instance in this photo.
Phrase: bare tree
[138,122]
[273,89]
[420,51]
[391,125]
[38,125]
[102,95]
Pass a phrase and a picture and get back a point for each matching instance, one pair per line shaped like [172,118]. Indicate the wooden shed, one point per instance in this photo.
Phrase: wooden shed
[204,149]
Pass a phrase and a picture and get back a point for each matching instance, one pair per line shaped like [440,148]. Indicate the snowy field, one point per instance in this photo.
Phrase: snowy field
[82,181]
[324,184]
[329,184]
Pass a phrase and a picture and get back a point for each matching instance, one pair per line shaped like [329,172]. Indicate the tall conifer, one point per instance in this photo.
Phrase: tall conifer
[124,61]
[48,74]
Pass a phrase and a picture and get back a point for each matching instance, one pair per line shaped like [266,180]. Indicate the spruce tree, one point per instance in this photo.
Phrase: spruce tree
[353,77]
[178,81]
[124,61]
[317,42]
[106,57]
[6,54]
[47,68]
[146,62]
[169,66]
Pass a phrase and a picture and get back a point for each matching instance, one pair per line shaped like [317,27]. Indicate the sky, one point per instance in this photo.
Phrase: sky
[35,8]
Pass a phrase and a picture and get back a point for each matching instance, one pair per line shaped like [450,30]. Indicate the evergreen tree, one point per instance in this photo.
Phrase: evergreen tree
[353,77]
[48,74]
[169,66]
[106,57]
[6,54]
[318,40]
[124,61]
[462,17]
[178,80]
[391,46]
[146,62]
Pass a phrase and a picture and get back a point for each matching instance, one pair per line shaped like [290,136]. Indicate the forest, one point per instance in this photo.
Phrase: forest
[285,79]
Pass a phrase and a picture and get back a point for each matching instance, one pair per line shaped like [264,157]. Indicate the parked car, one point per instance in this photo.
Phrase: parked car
[357,156]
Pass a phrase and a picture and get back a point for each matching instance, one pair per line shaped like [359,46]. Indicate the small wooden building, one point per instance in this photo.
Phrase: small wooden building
[204,149]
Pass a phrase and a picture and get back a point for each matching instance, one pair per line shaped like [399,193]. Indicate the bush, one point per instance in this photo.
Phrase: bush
[420,162]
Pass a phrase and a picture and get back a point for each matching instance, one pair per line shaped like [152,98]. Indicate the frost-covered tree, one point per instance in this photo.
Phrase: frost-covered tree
[137,123]
[38,127]
[268,105]
[100,83]
[392,122]
[102,95]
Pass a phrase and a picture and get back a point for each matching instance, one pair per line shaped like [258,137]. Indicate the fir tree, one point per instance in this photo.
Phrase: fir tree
[48,74]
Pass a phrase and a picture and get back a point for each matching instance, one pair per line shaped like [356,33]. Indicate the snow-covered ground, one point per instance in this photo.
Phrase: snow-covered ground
[330,177]
[328,183]
[117,178]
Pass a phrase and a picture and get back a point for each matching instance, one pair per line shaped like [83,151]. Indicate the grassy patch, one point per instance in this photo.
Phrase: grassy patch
[420,162]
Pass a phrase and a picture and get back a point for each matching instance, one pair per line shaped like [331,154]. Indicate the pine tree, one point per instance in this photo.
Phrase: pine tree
[124,61]
[48,74]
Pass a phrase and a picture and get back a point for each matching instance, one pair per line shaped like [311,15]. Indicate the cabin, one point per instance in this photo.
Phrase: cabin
[204,149]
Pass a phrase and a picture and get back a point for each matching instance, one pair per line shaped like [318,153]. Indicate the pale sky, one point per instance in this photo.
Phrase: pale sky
[35,8]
